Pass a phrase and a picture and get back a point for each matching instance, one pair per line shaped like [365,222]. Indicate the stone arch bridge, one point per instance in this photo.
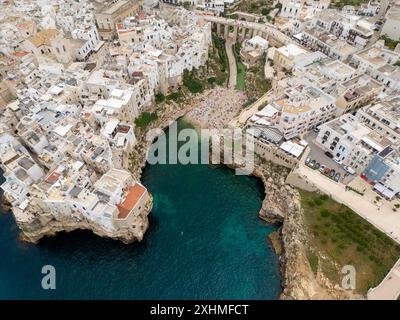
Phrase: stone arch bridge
[239,30]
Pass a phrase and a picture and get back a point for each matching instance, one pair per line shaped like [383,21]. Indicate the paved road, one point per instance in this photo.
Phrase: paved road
[389,288]
[232,64]
[382,9]
[318,154]
[384,219]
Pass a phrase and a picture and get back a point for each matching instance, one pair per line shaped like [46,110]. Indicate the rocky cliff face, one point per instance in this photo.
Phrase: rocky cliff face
[5,204]
[48,225]
[282,206]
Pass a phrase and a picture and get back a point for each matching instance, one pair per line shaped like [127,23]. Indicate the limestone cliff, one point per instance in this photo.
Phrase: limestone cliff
[5,204]
[282,206]
[43,225]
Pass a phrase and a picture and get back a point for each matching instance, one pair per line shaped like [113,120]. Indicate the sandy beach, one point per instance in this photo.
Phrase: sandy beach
[218,108]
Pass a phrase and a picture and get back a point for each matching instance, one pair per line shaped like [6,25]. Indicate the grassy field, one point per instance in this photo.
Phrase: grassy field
[218,61]
[160,98]
[241,75]
[176,96]
[391,44]
[191,82]
[241,69]
[342,236]
[253,6]
[342,3]
[145,119]
[256,84]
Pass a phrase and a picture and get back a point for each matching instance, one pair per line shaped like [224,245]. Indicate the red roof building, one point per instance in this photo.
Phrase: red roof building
[132,198]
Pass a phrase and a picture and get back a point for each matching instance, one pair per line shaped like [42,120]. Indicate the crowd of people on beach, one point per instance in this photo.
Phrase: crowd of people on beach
[219,107]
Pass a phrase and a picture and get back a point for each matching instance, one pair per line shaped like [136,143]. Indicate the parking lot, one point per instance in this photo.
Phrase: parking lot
[318,154]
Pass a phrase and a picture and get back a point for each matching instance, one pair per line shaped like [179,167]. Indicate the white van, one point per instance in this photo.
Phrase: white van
[349,170]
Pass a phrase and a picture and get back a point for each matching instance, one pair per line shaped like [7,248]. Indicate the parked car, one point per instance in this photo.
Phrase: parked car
[349,170]
[337,160]
[328,154]
[337,177]
[316,130]
[327,170]
[317,166]
[312,163]
[308,160]
[332,173]
[322,168]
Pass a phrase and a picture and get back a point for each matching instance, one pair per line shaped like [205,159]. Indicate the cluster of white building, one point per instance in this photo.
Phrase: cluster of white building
[340,80]
[77,160]
[164,45]
[65,29]
[67,138]
[369,143]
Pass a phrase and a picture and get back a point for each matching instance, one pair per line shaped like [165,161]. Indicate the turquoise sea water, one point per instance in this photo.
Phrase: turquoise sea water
[205,241]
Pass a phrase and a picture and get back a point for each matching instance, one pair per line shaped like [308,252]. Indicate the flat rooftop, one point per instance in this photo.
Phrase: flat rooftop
[133,196]
[389,109]
[340,67]
[113,8]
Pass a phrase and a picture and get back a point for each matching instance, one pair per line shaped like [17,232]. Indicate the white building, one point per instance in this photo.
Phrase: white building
[291,8]
[384,117]
[162,52]
[350,141]
[301,109]
[287,56]
[253,49]
[121,104]
[375,57]
[90,41]
[20,170]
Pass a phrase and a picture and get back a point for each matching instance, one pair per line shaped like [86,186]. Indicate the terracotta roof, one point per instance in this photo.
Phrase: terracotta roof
[133,196]
[124,31]
[137,74]
[25,24]
[20,54]
[53,177]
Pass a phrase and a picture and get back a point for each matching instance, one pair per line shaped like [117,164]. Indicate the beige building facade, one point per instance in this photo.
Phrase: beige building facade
[115,12]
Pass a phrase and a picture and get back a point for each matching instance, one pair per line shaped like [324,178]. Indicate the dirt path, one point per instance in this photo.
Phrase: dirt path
[232,64]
